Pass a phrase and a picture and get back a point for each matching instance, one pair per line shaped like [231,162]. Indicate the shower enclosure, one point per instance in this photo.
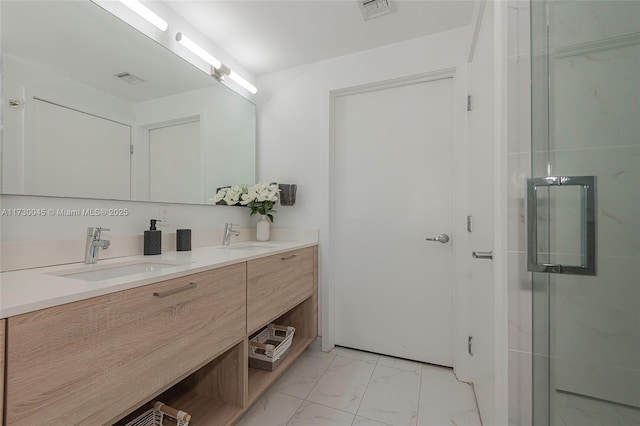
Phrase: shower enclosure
[583,208]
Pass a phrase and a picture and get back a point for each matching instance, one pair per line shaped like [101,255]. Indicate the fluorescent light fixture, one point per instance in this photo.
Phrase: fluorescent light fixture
[189,44]
[242,82]
[146,13]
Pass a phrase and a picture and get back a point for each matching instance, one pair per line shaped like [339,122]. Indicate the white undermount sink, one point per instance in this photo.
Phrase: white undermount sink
[250,245]
[116,270]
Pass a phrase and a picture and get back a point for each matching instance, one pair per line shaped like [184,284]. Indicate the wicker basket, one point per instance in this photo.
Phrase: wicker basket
[270,347]
[156,416]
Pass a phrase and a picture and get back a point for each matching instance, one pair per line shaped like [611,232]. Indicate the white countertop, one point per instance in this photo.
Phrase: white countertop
[33,289]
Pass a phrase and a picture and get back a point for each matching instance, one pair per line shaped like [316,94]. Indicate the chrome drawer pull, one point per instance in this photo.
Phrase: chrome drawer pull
[175,290]
[289,257]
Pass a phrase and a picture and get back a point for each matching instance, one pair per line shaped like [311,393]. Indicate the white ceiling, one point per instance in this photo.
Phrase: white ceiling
[271,35]
[84,42]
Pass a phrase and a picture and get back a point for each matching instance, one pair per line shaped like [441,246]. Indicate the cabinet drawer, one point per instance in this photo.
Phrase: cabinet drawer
[277,283]
[2,326]
[91,361]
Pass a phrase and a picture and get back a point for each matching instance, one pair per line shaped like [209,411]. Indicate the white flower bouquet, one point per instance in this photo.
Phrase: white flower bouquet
[260,198]
[230,195]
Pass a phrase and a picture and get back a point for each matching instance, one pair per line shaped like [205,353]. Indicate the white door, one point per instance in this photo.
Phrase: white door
[393,189]
[77,154]
[175,163]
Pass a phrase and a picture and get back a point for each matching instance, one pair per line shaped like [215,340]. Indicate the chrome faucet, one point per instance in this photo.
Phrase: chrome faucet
[228,232]
[94,243]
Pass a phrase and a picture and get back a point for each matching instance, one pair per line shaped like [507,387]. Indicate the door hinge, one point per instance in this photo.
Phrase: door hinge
[469,223]
[469,344]
[131,149]
[469,103]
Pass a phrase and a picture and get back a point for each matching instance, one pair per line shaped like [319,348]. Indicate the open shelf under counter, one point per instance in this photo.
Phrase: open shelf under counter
[214,394]
[204,410]
[261,380]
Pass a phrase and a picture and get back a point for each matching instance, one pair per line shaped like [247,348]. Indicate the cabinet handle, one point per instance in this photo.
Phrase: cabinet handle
[289,257]
[175,290]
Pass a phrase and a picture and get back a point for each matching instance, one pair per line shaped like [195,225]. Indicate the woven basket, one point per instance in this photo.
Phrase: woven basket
[270,347]
[155,416]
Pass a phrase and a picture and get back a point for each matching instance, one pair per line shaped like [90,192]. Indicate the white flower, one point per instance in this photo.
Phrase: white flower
[231,198]
[220,195]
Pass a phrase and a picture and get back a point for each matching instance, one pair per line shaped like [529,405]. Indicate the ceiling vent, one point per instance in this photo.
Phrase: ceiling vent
[129,78]
[374,8]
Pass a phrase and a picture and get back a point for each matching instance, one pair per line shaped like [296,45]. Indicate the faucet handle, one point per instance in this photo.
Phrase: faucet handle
[94,231]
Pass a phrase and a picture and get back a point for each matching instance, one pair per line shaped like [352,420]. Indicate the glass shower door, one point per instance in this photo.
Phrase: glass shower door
[585,123]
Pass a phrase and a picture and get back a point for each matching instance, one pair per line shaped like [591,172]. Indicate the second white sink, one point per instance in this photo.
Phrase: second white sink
[250,245]
[116,270]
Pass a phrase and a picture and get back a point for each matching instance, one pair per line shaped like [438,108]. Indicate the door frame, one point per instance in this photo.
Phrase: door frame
[460,208]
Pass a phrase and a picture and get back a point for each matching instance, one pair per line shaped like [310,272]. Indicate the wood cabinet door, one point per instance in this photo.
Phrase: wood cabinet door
[277,283]
[3,324]
[91,361]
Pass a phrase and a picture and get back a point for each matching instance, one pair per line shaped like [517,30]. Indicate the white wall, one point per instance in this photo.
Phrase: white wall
[17,231]
[39,82]
[519,164]
[227,136]
[57,238]
[167,38]
[488,209]
[294,123]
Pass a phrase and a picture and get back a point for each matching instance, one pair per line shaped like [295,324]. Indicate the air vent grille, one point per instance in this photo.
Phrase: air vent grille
[375,8]
[129,78]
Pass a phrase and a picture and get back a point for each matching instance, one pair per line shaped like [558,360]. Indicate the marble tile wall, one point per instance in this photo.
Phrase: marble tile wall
[594,130]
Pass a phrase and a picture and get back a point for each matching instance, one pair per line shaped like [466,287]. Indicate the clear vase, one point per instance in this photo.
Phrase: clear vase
[262,228]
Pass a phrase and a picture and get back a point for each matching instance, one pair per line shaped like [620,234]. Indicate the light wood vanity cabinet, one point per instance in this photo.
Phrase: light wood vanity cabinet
[182,341]
[2,328]
[276,283]
[91,361]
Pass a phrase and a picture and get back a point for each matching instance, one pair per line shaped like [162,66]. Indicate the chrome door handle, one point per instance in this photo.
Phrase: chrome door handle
[482,254]
[442,238]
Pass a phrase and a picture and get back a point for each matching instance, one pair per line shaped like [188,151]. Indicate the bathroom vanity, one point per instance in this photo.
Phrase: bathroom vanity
[178,334]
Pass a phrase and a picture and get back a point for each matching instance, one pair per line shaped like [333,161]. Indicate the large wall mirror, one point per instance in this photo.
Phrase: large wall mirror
[92,108]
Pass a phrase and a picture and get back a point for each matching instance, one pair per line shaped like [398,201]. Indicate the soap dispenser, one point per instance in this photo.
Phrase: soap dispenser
[152,239]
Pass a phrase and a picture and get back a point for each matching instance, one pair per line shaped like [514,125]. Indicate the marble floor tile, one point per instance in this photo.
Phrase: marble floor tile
[444,402]
[304,374]
[631,414]
[273,409]
[355,354]
[573,409]
[400,363]
[437,371]
[576,417]
[361,421]
[310,414]
[355,388]
[343,385]
[559,421]
[392,396]
[568,400]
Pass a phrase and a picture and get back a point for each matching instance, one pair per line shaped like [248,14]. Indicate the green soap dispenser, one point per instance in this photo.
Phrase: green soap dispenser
[152,240]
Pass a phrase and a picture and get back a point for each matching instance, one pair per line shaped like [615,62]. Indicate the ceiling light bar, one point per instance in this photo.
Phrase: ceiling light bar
[242,82]
[189,44]
[224,71]
[146,13]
